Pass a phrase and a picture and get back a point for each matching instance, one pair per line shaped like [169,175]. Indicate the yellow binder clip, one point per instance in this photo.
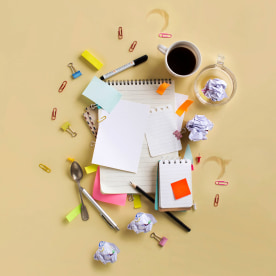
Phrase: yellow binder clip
[66,127]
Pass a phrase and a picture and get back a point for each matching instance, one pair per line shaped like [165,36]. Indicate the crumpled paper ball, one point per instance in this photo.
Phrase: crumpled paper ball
[107,252]
[199,127]
[215,90]
[142,223]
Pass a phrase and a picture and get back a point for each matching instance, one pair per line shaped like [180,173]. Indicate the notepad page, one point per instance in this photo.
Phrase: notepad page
[142,91]
[159,132]
[171,171]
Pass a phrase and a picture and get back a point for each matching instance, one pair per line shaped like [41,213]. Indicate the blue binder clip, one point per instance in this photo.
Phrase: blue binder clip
[75,74]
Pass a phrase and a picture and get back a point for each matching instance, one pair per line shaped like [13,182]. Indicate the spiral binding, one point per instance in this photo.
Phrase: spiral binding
[138,82]
[174,161]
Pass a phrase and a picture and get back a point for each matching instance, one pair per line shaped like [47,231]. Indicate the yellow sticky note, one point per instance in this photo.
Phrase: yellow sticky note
[90,169]
[137,201]
[91,59]
[74,213]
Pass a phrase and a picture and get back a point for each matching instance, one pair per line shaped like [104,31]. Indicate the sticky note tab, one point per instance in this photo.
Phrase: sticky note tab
[180,188]
[137,201]
[161,89]
[90,169]
[102,94]
[74,213]
[184,107]
[91,59]
[117,199]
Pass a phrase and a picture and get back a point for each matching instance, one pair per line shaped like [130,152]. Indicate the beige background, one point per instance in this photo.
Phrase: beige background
[38,40]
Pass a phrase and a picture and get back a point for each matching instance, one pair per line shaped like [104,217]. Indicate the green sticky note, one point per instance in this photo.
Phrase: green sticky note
[74,213]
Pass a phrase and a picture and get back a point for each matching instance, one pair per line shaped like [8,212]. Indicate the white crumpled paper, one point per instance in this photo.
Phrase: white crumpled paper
[215,90]
[142,223]
[199,127]
[107,252]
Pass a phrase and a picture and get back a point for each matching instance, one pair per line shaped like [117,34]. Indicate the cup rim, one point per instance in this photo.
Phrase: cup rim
[194,48]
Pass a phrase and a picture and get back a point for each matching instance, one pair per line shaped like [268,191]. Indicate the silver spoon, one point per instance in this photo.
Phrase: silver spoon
[77,174]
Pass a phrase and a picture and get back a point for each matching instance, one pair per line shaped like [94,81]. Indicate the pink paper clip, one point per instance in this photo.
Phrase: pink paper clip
[62,86]
[54,113]
[120,33]
[164,35]
[216,201]
[132,46]
[220,182]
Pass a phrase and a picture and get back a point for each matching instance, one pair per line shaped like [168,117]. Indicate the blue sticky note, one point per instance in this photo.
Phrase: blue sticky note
[188,154]
[102,94]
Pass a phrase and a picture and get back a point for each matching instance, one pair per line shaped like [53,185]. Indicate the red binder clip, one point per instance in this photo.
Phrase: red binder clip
[54,113]
[62,86]
[216,201]
[120,33]
[133,45]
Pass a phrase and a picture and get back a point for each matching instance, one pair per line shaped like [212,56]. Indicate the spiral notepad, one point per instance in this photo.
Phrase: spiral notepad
[175,185]
[114,181]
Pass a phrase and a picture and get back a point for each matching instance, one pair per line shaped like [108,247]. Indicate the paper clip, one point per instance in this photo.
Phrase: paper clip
[132,46]
[66,127]
[221,182]
[164,35]
[198,158]
[45,168]
[216,201]
[54,113]
[130,197]
[120,33]
[62,86]
[102,119]
[162,241]
[75,74]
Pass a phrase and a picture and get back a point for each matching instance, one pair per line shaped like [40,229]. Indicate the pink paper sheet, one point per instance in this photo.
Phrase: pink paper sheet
[117,199]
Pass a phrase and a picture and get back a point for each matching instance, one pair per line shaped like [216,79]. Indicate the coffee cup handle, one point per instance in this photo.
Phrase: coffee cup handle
[162,49]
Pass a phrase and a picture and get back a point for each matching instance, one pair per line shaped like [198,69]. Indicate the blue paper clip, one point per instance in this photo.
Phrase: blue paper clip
[75,74]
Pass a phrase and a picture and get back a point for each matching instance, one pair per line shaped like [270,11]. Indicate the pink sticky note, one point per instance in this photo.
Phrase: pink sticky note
[117,199]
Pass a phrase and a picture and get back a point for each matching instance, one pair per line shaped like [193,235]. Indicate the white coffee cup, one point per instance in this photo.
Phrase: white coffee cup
[182,58]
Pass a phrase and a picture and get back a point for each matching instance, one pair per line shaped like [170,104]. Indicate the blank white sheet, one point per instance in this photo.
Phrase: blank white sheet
[121,135]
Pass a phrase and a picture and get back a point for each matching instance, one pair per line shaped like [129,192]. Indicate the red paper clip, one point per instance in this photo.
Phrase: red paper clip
[216,201]
[54,113]
[120,33]
[133,45]
[62,86]
[220,182]
[164,35]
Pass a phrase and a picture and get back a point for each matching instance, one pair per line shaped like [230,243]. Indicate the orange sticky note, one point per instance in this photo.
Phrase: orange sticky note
[180,188]
[184,107]
[161,89]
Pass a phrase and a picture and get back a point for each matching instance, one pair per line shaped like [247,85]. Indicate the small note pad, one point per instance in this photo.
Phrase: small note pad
[159,133]
[76,211]
[102,94]
[180,188]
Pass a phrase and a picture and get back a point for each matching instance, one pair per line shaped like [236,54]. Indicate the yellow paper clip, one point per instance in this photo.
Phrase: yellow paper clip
[102,119]
[66,127]
[45,168]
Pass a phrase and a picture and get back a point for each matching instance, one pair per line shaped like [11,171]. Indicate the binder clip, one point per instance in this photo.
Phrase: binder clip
[162,241]
[75,74]
[66,127]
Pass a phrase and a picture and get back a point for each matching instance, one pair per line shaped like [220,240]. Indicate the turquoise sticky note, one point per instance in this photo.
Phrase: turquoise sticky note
[102,94]
[188,154]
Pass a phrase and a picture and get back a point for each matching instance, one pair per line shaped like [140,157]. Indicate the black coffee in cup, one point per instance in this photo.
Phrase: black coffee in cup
[181,61]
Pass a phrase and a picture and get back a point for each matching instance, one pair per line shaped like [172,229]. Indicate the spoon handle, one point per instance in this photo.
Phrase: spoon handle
[84,212]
